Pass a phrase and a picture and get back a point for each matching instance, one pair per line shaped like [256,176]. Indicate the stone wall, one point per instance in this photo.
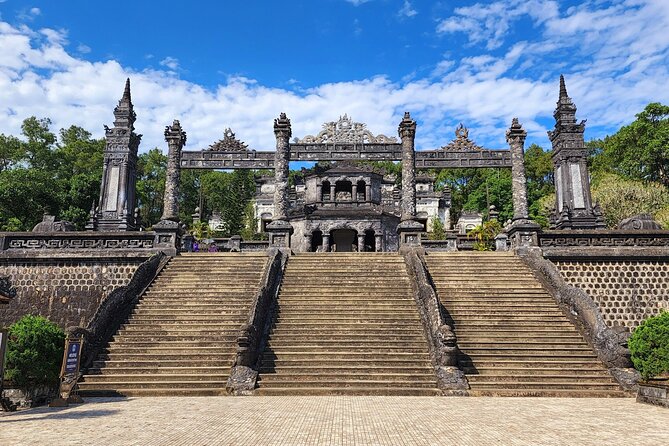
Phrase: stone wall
[64,290]
[627,291]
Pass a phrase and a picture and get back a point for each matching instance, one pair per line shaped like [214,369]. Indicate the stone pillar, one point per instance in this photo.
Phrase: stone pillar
[522,232]
[515,137]
[333,186]
[354,192]
[280,229]
[117,189]
[319,192]
[408,229]
[326,242]
[574,208]
[176,139]
[368,193]
[378,241]
[361,242]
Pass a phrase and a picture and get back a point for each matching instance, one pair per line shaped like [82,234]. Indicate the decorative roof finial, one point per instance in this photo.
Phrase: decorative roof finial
[563,88]
[126,92]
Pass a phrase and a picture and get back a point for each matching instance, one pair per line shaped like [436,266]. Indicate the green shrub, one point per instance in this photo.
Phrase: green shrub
[34,352]
[649,346]
[485,235]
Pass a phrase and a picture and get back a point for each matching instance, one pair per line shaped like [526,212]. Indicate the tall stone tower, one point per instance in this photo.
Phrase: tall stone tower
[115,211]
[573,205]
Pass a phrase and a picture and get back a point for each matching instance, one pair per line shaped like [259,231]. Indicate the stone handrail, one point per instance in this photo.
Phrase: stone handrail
[610,344]
[250,343]
[442,343]
[650,244]
[115,309]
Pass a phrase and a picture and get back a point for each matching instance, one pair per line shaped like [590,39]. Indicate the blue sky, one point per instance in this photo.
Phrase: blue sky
[239,64]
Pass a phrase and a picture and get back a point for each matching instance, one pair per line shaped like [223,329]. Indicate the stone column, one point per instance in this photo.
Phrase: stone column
[176,139]
[279,229]
[282,132]
[319,192]
[332,191]
[409,229]
[361,242]
[378,239]
[326,242]
[522,232]
[368,193]
[515,137]
[407,132]
[354,192]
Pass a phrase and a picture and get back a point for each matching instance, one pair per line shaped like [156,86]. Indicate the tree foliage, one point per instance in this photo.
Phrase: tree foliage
[34,352]
[649,346]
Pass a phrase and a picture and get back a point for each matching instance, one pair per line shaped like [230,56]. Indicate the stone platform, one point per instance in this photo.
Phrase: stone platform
[340,420]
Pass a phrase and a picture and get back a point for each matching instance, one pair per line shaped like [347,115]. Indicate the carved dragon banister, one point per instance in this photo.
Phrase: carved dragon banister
[244,372]
[115,309]
[610,344]
[442,342]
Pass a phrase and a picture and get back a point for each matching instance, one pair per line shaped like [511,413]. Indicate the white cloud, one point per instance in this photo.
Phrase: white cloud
[83,49]
[357,2]
[170,62]
[407,10]
[613,71]
[35,11]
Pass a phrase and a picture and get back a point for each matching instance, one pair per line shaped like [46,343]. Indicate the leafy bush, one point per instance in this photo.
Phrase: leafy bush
[438,230]
[649,346]
[34,352]
[485,235]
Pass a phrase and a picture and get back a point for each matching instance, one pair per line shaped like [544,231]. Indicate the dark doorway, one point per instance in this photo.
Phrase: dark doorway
[316,240]
[342,240]
[370,241]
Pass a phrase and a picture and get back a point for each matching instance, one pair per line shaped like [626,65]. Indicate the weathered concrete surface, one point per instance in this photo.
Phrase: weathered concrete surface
[341,421]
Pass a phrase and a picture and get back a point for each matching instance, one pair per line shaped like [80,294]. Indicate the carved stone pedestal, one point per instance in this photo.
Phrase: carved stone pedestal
[168,236]
[409,232]
[523,233]
[279,233]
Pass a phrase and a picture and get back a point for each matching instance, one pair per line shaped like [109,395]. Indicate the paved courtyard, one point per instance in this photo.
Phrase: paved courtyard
[341,421]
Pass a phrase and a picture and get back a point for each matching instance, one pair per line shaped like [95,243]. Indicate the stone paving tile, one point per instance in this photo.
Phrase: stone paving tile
[341,421]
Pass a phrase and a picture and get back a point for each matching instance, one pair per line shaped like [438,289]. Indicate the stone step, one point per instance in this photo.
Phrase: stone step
[586,370]
[337,362]
[370,348]
[180,364]
[426,377]
[520,345]
[190,318]
[324,391]
[119,391]
[172,350]
[145,384]
[150,377]
[494,363]
[317,331]
[336,319]
[341,383]
[350,355]
[477,356]
[342,369]
[578,378]
[172,337]
[522,339]
[158,370]
[547,393]
[564,385]
[121,344]
[131,357]
[180,331]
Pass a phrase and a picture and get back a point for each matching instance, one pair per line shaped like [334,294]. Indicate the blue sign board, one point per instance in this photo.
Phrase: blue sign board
[72,354]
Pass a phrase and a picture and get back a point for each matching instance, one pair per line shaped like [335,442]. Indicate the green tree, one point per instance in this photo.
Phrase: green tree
[640,150]
[622,198]
[34,352]
[438,230]
[151,168]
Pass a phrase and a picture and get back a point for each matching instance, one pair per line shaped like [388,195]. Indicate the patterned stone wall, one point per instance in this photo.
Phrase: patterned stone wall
[66,291]
[626,291]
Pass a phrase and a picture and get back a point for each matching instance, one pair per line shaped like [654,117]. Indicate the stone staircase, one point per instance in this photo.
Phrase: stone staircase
[181,337]
[513,337]
[346,323]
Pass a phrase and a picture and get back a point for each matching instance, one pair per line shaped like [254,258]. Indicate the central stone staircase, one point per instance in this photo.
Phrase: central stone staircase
[181,337]
[346,323]
[513,337]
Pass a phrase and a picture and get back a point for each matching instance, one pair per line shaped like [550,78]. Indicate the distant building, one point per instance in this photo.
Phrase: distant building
[349,207]
[468,221]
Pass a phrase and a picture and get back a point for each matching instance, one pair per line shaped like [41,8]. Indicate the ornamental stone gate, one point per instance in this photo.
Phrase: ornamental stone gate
[346,141]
